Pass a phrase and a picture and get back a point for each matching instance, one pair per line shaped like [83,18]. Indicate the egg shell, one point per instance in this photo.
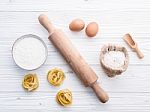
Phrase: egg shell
[92,29]
[77,25]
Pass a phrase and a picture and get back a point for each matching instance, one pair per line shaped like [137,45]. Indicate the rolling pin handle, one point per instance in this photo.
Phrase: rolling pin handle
[100,93]
[44,21]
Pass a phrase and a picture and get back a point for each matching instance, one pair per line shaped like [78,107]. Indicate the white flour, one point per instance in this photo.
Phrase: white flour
[114,59]
[29,53]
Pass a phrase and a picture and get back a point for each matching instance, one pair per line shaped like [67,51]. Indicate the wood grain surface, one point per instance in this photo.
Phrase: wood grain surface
[129,92]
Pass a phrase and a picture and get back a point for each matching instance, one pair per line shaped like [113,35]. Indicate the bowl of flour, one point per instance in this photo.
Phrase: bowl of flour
[29,52]
[114,59]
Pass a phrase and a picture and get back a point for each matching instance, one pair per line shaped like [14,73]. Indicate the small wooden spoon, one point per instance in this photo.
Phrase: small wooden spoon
[129,40]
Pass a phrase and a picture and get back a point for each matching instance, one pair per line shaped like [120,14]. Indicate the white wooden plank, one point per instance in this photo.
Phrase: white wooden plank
[130,81]
[91,57]
[128,93]
[34,5]
[124,101]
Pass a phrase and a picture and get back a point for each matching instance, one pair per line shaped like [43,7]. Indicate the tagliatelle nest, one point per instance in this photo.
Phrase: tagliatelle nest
[114,59]
[55,76]
[64,97]
[30,82]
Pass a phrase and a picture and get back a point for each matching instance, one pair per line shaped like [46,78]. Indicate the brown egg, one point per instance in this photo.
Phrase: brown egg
[91,29]
[77,25]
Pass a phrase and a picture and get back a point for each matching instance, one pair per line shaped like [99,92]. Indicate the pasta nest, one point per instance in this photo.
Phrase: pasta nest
[30,82]
[55,76]
[64,97]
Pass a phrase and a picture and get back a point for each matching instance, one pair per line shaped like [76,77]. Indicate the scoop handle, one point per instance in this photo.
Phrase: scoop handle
[100,93]
[139,53]
[44,21]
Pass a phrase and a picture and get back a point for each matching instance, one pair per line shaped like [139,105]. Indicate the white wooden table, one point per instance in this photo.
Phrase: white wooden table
[129,92]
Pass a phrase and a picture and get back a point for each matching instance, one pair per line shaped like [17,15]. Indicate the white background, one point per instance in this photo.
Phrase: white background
[129,92]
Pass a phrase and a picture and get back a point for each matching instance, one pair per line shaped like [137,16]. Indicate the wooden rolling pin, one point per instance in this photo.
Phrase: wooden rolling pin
[73,57]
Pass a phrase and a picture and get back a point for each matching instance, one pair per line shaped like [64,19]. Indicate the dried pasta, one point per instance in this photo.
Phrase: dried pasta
[30,82]
[64,97]
[55,76]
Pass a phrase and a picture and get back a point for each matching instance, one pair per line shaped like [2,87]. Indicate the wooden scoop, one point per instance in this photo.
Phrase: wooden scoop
[73,57]
[129,40]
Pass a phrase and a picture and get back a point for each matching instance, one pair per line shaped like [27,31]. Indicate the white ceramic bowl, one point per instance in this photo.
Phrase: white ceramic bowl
[20,59]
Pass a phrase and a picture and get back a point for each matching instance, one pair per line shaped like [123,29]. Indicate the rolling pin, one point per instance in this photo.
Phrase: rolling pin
[73,58]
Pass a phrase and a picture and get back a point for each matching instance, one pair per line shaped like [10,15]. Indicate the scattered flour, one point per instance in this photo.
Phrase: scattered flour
[29,53]
[114,59]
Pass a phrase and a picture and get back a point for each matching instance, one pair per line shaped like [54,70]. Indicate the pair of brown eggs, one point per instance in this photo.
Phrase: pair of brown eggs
[78,25]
